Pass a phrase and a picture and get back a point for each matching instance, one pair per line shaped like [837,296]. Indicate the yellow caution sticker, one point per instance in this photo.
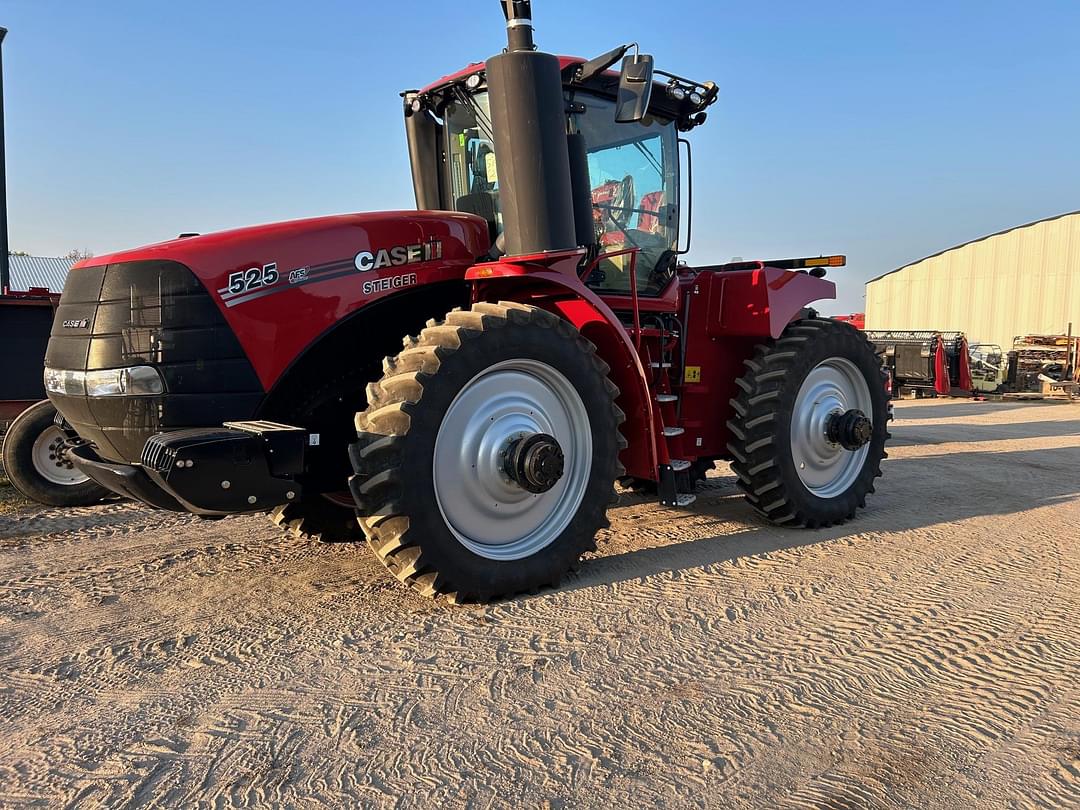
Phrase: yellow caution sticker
[692,374]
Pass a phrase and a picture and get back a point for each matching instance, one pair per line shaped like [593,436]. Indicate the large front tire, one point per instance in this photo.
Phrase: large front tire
[440,506]
[793,466]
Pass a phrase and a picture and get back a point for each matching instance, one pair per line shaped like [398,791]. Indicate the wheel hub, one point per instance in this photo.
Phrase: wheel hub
[850,429]
[535,463]
[51,459]
[830,432]
[504,484]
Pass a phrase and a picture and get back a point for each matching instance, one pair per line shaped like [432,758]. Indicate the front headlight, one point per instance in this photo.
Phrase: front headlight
[61,381]
[133,381]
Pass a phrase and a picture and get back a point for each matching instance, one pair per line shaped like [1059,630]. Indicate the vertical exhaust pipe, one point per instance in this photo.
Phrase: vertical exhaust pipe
[528,116]
[5,267]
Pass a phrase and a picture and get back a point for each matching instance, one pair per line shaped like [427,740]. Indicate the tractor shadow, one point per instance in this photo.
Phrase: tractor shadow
[915,493]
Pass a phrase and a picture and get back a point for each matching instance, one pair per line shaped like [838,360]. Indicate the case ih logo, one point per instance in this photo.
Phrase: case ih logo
[259,281]
[398,255]
[78,323]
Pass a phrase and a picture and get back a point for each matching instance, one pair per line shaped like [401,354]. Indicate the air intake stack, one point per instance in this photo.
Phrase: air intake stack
[528,115]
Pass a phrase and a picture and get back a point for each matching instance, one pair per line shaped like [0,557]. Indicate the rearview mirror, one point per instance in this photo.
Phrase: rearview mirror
[635,87]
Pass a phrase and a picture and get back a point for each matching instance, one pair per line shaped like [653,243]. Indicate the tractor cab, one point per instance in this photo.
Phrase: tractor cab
[626,174]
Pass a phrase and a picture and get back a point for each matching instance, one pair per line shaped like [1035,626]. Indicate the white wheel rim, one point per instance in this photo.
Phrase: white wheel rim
[51,461]
[833,386]
[487,511]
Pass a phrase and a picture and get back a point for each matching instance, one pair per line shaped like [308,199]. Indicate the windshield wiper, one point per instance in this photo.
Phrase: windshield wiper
[482,121]
[655,164]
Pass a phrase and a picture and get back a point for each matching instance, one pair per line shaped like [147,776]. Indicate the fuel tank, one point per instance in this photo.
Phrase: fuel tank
[221,316]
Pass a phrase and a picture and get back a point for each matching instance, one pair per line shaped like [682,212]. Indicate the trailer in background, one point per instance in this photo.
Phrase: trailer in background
[25,322]
[35,457]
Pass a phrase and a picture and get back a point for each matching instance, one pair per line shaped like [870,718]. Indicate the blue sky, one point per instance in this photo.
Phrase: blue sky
[884,130]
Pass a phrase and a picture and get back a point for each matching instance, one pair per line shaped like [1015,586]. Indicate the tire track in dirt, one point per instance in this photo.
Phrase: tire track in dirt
[922,656]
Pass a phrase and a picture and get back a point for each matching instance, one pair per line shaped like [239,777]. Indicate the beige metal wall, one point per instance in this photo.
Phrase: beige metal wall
[1026,280]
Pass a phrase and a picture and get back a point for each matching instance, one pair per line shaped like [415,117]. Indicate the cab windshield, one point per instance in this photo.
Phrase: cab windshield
[633,177]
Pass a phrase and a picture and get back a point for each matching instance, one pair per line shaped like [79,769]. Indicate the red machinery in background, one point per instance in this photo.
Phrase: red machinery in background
[925,362]
[857,319]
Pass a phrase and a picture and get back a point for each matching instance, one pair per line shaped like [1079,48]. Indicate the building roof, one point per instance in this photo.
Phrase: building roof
[973,241]
[38,271]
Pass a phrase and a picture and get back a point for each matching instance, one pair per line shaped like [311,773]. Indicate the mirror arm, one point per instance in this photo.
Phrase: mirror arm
[598,64]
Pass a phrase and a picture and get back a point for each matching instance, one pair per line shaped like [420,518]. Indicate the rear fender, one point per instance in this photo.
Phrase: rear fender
[759,302]
[564,294]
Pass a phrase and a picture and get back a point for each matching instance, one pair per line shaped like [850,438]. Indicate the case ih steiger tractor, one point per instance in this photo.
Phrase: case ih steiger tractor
[465,383]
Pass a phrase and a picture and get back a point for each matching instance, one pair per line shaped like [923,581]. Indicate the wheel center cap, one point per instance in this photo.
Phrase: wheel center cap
[851,430]
[535,462]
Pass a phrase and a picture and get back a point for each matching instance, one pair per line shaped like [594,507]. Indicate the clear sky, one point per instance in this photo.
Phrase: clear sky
[887,131]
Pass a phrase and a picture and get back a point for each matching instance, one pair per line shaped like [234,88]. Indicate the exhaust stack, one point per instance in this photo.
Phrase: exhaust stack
[528,116]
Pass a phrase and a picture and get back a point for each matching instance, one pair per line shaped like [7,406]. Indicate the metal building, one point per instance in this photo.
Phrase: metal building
[38,271]
[1025,280]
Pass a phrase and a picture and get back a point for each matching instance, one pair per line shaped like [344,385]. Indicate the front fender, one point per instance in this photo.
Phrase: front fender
[563,293]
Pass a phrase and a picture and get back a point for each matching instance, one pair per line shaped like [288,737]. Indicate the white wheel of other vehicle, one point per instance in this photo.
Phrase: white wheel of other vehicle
[51,461]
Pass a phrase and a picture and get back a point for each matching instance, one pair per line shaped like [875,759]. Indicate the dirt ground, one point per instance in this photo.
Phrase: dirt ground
[925,655]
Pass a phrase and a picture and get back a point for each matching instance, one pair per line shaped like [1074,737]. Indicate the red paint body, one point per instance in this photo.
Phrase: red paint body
[275,329]
[728,311]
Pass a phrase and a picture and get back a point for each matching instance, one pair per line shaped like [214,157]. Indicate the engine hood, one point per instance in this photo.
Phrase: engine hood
[368,229]
[280,286]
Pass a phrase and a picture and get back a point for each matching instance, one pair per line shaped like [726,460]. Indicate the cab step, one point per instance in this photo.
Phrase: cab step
[660,365]
[673,483]
[671,432]
[667,397]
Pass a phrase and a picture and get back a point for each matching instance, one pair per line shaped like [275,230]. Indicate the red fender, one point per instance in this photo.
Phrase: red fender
[758,302]
[550,281]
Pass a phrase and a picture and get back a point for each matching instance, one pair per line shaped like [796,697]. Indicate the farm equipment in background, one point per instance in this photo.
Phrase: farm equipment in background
[925,363]
[987,367]
[466,383]
[1043,364]
[856,319]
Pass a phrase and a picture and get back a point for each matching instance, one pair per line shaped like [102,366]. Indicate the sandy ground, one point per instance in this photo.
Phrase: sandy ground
[926,655]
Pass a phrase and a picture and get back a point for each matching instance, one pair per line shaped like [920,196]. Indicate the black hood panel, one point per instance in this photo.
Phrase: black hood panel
[152,313]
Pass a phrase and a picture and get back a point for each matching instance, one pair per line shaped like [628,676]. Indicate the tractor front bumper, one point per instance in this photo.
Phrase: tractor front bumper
[239,467]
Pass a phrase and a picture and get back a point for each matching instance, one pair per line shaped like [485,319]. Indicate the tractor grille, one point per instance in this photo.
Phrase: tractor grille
[148,313]
[157,455]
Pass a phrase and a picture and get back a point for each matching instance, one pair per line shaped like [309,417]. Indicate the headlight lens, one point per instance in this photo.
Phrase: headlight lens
[140,380]
[112,382]
[105,383]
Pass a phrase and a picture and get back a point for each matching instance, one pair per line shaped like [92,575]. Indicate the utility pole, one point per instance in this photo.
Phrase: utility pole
[5,271]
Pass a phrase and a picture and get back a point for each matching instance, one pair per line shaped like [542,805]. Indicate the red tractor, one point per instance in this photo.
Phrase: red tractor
[468,381]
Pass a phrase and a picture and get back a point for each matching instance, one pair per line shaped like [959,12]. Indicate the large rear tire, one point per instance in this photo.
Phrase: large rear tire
[37,465]
[443,504]
[796,462]
[326,513]
[318,517]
